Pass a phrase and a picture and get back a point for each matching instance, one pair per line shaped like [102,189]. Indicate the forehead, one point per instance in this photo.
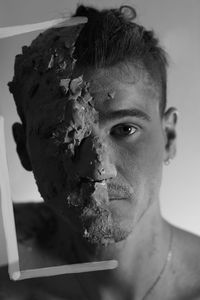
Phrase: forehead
[121,87]
[112,89]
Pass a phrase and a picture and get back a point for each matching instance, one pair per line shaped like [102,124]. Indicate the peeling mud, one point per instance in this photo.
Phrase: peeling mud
[49,62]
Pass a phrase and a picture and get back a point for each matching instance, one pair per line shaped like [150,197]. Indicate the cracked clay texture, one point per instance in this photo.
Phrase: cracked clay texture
[66,102]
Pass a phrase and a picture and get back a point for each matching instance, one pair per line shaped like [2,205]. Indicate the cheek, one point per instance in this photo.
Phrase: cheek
[42,156]
[47,168]
[141,161]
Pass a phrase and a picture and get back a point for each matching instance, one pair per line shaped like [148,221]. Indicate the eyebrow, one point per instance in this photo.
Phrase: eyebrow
[132,112]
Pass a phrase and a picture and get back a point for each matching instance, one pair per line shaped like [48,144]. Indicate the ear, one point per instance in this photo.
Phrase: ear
[19,135]
[169,127]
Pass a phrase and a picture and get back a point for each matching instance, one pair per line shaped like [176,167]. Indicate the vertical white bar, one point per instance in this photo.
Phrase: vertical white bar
[7,210]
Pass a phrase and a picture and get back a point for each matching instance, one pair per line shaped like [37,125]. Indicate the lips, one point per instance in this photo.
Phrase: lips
[120,195]
[119,191]
[117,198]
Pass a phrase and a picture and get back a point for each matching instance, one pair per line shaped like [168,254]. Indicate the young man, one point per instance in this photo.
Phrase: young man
[95,132]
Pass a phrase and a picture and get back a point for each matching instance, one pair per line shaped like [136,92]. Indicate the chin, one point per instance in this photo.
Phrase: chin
[104,231]
[121,234]
[99,226]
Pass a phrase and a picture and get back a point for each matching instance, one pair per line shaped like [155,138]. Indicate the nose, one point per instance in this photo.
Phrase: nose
[93,160]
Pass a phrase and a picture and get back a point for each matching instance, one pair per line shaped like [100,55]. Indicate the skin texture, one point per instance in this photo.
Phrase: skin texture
[64,126]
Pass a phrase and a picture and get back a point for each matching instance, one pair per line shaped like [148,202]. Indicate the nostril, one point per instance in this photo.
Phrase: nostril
[86,179]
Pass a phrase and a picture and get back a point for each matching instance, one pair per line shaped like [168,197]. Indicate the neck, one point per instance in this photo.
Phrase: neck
[143,255]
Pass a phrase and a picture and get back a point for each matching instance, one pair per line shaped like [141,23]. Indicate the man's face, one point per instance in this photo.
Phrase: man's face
[129,130]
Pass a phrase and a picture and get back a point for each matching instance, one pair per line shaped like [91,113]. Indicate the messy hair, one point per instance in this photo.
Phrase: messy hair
[110,37]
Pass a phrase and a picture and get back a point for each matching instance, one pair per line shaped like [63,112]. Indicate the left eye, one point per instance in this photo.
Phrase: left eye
[123,130]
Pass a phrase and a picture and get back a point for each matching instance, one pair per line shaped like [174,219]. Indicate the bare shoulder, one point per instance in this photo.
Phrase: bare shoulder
[34,220]
[188,245]
[186,264]
[38,288]
[44,232]
[20,290]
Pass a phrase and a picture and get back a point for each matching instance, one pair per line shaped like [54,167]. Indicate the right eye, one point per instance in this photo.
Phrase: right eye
[123,130]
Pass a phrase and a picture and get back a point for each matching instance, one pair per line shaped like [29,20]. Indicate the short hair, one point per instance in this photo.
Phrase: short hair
[110,37]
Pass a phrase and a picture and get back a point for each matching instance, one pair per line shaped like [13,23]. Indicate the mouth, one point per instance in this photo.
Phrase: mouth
[117,198]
